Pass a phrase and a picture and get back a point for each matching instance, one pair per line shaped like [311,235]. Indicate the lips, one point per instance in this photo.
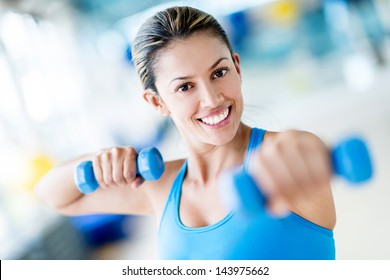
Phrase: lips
[216,118]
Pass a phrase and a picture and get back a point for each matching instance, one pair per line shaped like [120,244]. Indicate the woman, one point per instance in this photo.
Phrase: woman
[191,74]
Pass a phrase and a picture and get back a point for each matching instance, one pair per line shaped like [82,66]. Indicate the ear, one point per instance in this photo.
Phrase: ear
[156,101]
[236,58]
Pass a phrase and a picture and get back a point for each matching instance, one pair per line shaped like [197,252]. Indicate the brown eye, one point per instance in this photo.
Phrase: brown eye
[184,87]
[220,73]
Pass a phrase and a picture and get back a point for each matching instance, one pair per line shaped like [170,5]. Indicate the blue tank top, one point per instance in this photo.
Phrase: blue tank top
[266,237]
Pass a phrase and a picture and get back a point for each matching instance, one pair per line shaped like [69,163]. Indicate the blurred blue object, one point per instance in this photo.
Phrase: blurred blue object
[239,29]
[128,54]
[113,9]
[351,159]
[161,131]
[316,31]
[373,26]
[338,19]
[101,229]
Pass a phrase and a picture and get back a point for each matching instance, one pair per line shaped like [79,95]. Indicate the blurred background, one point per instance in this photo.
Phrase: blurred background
[68,87]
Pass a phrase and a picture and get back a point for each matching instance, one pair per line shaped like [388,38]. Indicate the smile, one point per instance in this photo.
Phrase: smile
[217,118]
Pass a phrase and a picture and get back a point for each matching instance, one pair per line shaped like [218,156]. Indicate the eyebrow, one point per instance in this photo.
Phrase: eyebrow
[211,67]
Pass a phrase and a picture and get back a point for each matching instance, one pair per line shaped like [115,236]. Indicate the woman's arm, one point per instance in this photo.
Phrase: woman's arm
[293,170]
[118,192]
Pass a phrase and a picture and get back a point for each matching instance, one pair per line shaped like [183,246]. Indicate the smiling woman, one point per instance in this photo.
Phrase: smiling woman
[191,74]
[199,86]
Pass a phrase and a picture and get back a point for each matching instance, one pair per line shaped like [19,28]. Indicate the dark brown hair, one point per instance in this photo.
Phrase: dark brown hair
[176,23]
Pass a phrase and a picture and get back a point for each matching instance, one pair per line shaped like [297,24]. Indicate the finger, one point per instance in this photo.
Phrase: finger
[117,167]
[317,162]
[295,157]
[119,156]
[98,171]
[269,187]
[136,182]
[106,165]
[278,207]
[130,166]
[274,173]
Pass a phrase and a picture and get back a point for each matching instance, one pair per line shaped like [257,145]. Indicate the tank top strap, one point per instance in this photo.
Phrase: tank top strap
[255,140]
[176,187]
[174,194]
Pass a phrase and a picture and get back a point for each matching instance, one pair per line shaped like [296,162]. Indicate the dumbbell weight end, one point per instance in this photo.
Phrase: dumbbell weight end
[351,160]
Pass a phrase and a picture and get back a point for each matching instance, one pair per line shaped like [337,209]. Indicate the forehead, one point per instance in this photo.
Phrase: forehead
[188,56]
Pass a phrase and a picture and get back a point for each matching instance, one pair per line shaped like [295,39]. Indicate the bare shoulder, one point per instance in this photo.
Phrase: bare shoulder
[269,135]
[165,182]
[158,191]
[291,135]
[272,134]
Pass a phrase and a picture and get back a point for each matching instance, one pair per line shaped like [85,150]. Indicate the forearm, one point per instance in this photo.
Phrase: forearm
[57,188]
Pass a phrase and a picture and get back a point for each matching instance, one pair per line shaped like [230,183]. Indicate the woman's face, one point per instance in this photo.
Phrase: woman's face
[200,88]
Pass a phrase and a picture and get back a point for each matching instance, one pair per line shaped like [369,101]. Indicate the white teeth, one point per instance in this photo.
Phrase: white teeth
[216,119]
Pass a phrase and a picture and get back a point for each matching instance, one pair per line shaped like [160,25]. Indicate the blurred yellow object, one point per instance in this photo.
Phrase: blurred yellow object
[284,11]
[22,168]
[38,166]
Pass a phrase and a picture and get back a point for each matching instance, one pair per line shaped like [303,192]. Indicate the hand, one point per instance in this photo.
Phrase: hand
[291,167]
[117,166]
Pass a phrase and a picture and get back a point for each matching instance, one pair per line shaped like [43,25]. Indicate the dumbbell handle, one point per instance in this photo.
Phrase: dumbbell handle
[150,166]
[350,159]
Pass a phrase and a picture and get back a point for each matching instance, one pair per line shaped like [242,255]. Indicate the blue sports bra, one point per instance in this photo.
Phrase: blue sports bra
[266,237]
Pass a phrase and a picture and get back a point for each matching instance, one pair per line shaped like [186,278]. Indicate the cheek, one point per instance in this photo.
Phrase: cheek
[183,109]
[233,90]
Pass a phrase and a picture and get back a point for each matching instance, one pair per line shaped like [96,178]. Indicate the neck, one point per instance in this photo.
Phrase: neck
[206,164]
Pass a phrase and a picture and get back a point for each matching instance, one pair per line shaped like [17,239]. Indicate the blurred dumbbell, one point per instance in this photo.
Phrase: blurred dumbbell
[150,166]
[350,159]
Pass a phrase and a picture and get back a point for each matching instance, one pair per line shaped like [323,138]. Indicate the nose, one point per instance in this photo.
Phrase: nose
[211,96]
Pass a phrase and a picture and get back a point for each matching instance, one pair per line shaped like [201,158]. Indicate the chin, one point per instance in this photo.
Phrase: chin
[222,138]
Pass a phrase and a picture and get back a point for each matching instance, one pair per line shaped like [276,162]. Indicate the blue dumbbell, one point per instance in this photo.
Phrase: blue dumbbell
[350,159]
[150,166]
